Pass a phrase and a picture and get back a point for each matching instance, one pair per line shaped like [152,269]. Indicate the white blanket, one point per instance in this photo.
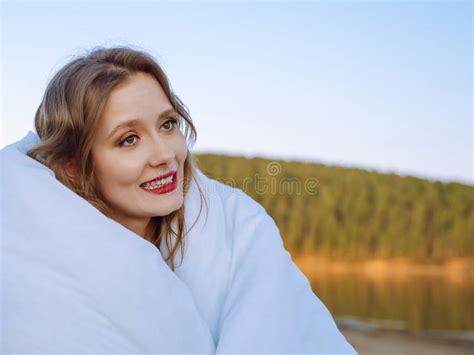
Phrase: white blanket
[75,281]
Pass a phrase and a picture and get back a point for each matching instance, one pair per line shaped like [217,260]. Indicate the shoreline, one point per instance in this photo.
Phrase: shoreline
[455,269]
[392,342]
[397,327]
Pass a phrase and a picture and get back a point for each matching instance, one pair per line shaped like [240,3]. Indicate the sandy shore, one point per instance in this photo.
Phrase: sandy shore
[382,342]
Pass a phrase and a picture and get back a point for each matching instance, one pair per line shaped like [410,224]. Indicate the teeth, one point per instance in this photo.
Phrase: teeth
[159,183]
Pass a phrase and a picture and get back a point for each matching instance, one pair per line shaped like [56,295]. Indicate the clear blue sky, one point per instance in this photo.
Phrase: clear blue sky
[377,85]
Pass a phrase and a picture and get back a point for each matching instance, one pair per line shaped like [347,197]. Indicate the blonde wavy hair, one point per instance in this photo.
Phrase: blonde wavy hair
[71,108]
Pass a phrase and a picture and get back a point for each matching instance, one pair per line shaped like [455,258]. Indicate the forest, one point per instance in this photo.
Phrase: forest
[353,213]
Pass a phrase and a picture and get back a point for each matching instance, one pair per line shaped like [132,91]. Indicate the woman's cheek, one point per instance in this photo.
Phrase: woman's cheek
[183,147]
[132,169]
[122,169]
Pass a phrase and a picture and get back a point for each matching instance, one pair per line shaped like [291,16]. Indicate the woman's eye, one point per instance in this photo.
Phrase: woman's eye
[129,140]
[170,124]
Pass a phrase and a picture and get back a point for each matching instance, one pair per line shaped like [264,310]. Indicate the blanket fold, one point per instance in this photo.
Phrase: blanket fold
[74,280]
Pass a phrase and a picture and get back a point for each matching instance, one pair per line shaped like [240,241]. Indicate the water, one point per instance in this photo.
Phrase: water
[419,304]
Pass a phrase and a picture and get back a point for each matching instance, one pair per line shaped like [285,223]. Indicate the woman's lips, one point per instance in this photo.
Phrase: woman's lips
[164,176]
[165,188]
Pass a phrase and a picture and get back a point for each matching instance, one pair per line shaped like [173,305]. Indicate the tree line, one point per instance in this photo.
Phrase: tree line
[351,212]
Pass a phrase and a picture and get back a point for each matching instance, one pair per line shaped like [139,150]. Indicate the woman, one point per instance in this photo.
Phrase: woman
[113,137]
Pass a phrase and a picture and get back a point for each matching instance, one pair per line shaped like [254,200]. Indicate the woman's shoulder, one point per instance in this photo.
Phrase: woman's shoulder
[246,221]
[268,300]
[14,158]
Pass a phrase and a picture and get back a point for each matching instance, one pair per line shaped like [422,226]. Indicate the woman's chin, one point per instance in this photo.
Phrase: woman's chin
[171,206]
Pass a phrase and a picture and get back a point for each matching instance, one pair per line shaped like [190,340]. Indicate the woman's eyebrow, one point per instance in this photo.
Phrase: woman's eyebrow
[137,122]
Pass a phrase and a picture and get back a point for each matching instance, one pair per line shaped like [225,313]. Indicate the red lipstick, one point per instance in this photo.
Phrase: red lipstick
[164,176]
[165,188]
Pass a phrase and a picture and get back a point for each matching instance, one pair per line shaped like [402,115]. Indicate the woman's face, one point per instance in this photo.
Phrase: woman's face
[137,141]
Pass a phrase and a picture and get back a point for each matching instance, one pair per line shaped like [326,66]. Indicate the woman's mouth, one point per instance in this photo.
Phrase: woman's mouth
[163,185]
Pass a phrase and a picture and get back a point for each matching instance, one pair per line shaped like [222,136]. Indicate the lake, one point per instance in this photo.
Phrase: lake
[433,304]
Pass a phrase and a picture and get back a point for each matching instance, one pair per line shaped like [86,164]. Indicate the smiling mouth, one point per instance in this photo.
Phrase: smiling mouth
[161,177]
[162,181]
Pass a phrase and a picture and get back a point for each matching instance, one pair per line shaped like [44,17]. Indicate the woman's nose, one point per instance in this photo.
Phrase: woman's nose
[161,152]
